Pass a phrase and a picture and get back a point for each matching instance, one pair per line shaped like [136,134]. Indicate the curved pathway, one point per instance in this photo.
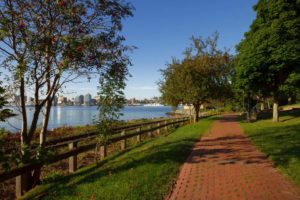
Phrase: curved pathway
[226,165]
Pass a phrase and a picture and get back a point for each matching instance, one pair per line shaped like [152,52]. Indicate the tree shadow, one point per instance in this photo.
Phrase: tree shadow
[227,150]
[229,118]
[293,113]
[173,152]
[281,143]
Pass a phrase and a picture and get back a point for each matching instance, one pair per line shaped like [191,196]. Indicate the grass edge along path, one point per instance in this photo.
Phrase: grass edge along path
[146,171]
[280,142]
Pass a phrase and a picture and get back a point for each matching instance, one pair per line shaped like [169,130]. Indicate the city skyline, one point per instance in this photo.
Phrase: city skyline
[83,100]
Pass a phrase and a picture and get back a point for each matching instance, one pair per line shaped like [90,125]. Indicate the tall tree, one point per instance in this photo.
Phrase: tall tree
[270,50]
[202,75]
[49,43]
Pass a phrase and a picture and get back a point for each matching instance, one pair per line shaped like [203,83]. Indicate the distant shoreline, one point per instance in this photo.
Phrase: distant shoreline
[69,115]
[146,105]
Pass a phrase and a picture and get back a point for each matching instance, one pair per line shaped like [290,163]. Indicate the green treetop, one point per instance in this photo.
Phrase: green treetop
[202,75]
[270,51]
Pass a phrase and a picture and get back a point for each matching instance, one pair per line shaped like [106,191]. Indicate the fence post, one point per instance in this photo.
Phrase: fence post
[72,159]
[103,151]
[181,123]
[177,122]
[123,142]
[150,132]
[138,137]
[158,129]
[22,184]
[166,127]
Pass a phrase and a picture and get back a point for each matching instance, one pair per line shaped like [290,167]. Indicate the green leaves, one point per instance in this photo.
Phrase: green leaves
[4,112]
[112,98]
[47,44]
[203,74]
[270,51]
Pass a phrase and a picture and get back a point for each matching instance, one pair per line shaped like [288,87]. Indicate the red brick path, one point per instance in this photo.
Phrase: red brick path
[225,165]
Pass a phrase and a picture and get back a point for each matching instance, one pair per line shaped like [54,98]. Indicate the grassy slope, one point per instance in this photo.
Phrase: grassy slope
[144,172]
[280,141]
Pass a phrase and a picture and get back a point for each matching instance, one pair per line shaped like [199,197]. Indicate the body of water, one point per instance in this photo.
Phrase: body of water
[82,115]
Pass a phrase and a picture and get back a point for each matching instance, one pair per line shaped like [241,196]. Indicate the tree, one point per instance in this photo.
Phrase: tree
[4,112]
[290,88]
[270,50]
[49,43]
[112,100]
[202,75]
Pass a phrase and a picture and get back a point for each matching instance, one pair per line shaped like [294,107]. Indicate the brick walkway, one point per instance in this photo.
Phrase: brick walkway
[225,165]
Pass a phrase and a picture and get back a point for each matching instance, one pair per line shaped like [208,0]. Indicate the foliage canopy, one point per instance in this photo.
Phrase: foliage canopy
[203,74]
[270,51]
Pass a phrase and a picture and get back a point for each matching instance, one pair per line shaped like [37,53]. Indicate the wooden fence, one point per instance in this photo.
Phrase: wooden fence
[82,143]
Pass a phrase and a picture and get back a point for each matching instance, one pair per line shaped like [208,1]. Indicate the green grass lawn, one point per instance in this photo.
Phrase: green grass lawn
[146,171]
[279,141]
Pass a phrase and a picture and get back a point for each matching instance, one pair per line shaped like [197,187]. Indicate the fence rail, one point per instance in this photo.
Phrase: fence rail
[65,140]
[136,130]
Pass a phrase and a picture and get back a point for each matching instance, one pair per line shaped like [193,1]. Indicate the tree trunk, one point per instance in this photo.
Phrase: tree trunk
[262,106]
[24,181]
[248,116]
[191,116]
[197,110]
[43,132]
[254,115]
[46,115]
[45,122]
[248,109]
[34,122]
[275,109]
[24,115]
[268,103]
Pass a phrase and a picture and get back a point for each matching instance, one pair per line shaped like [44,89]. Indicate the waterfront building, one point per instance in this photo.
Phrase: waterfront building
[17,99]
[78,101]
[62,100]
[55,100]
[87,99]
[132,101]
[93,102]
[30,101]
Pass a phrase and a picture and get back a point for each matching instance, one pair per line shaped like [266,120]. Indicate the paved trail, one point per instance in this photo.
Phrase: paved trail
[226,165]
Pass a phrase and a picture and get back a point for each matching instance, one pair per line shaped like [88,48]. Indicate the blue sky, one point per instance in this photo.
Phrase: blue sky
[161,29]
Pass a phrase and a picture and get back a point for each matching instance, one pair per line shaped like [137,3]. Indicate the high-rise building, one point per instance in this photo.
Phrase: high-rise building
[62,100]
[81,99]
[78,100]
[132,101]
[55,100]
[87,99]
